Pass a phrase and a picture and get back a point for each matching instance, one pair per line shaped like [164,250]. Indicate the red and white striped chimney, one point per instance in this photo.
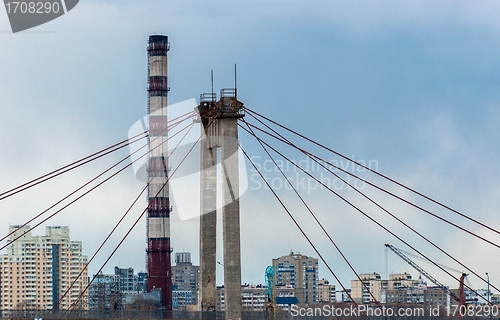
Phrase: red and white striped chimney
[158,217]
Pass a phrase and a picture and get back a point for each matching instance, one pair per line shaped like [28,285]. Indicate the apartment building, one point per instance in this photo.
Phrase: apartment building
[326,291]
[185,277]
[301,273]
[254,297]
[36,272]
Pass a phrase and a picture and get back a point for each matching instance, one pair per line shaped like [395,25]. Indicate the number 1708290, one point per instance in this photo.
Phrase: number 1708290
[33,7]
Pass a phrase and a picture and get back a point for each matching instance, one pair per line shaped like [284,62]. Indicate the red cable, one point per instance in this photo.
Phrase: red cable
[100,247]
[85,193]
[392,194]
[375,172]
[300,228]
[135,223]
[60,171]
[366,215]
[312,214]
[78,163]
[118,223]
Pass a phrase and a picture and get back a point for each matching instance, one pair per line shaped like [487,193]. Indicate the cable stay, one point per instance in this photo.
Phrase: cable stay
[152,199]
[78,163]
[119,222]
[299,227]
[356,208]
[69,167]
[254,114]
[314,158]
[314,216]
[85,193]
[379,188]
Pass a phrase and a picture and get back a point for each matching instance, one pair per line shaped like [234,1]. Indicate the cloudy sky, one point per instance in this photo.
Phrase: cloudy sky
[412,86]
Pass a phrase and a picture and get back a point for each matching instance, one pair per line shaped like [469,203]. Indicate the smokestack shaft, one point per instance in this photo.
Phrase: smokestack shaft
[158,217]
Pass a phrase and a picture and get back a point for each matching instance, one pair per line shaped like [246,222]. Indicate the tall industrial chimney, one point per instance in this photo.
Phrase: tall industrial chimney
[158,217]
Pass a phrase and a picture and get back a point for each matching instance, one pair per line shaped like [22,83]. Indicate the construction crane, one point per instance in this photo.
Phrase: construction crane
[460,300]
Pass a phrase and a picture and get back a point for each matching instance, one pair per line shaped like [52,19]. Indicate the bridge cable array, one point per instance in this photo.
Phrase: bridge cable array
[281,138]
[251,112]
[264,126]
[139,217]
[316,158]
[171,124]
[313,216]
[78,189]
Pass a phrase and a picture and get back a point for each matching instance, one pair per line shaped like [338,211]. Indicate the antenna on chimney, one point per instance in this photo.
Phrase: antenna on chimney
[235,91]
[213,97]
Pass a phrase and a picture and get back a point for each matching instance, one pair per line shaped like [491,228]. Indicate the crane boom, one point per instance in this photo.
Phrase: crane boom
[422,271]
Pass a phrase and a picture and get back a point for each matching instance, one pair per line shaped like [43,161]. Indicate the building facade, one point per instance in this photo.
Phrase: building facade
[110,291]
[185,277]
[326,291]
[378,289]
[368,289]
[254,297]
[128,280]
[182,299]
[301,273]
[104,292]
[400,280]
[142,281]
[343,296]
[37,271]
[401,289]
[404,290]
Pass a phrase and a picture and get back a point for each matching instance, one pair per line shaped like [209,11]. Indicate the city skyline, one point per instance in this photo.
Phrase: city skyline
[183,257]
[412,86]
[294,275]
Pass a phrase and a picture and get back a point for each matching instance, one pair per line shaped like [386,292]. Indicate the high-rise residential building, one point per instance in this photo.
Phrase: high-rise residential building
[142,279]
[185,277]
[36,271]
[343,296]
[407,292]
[326,291]
[181,299]
[128,280]
[104,292]
[400,280]
[373,282]
[477,296]
[378,288]
[495,298]
[439,297]
[114,291]
[254,297]
[300,272]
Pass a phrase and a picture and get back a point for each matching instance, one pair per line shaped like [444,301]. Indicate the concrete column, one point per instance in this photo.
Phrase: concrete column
[231,218]
[208,221]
